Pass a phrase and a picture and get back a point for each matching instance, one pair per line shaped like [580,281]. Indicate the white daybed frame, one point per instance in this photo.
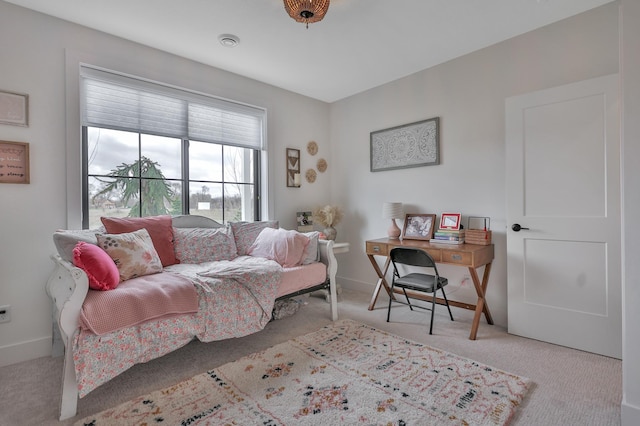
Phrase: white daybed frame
[68,286]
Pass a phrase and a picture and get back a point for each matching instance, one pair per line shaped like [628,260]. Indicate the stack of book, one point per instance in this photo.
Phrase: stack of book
[448,236]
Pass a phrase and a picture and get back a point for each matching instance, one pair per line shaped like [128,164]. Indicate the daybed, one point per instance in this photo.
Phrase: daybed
[106,332]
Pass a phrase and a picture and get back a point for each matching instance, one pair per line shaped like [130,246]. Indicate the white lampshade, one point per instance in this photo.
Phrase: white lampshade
[392,210]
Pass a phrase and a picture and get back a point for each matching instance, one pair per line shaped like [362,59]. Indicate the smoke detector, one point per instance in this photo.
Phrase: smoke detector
[228,40]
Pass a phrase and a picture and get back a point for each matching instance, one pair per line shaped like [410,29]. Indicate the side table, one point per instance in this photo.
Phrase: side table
[337,249]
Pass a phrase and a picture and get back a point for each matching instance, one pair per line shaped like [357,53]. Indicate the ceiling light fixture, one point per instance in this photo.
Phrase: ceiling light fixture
[306,11]
[228,40]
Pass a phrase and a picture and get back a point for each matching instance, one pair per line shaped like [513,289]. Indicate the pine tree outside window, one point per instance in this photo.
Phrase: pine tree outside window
[150,149]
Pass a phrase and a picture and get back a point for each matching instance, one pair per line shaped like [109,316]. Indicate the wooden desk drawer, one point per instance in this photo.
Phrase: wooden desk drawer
[375,248]
[460,257]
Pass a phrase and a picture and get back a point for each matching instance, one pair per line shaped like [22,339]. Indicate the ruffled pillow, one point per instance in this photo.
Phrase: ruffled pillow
[101,270]
[285,247]
[132,252]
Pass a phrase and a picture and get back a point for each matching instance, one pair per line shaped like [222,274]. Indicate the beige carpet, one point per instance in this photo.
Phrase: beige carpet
[345,373]
[571,387]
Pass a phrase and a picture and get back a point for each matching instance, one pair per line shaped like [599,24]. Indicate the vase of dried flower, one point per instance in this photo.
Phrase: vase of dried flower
[330,232]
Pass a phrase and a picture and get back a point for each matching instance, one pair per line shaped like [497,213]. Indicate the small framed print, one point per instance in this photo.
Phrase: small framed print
[293,168]
[14,162]
[450,221]
[14,108]
[418,226]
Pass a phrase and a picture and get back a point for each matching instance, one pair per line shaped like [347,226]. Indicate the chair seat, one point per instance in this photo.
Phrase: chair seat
[420,282]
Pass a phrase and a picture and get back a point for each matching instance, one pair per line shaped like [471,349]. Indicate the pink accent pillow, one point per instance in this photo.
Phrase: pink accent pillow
[97,264]
[160,229]
[283,246]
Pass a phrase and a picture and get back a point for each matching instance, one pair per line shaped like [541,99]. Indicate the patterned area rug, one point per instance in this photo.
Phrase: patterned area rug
[344,373]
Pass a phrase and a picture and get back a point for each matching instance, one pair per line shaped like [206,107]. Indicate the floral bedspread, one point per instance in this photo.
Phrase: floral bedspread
[235,299]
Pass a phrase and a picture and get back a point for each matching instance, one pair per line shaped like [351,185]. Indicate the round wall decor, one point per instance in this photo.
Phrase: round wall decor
[312,148]
[322,165]
[310,175]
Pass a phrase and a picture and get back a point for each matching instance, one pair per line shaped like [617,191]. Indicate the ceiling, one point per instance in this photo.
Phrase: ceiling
[360,44]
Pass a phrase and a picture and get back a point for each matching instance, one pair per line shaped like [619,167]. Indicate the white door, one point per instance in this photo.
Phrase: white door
[563,190]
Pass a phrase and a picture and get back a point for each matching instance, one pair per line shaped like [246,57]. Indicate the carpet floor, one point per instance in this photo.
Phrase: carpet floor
[570,387]
[346,373]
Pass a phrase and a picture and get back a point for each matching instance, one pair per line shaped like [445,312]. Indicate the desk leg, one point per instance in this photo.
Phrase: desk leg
[381,280]
[481,306]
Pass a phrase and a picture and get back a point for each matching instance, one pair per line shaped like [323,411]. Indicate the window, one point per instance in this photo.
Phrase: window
[150,149]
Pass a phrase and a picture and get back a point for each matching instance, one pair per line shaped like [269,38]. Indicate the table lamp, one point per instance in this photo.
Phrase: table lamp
[393,211]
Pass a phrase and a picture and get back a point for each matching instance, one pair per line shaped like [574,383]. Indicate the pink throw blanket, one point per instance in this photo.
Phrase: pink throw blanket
[138,300]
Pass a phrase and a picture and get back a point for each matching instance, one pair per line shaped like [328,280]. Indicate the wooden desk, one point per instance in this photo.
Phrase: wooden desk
[466,255]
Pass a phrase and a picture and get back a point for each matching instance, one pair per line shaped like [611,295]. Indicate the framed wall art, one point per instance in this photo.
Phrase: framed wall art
[409,145]
[418,226]
[14,108]
[293,168]
[14,162]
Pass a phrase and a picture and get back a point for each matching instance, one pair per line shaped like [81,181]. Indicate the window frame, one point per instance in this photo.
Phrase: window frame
[184,179]
[258,144]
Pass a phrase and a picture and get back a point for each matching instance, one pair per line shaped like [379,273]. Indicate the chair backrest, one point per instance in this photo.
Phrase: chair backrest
[413,257]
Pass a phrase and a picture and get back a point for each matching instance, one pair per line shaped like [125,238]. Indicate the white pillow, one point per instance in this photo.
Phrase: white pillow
[66,240]
[312,252]
[284,246]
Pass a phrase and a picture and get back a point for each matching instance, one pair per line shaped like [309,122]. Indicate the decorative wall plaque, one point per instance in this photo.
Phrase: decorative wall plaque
[14,162]
[14,108]
[312,148]
[293,167]
[409,145]
[322,165]
[310,175]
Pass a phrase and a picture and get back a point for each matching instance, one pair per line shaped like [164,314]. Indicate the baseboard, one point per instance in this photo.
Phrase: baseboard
[25,351]
[354,285]
[629,414]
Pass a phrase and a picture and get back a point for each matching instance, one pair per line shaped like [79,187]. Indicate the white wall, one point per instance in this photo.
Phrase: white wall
[468,95]
[630,77]
[37,55]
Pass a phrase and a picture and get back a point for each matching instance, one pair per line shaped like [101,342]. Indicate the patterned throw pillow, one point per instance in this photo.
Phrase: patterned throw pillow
[245,233]
[197,245]
[132,252]
[160,229]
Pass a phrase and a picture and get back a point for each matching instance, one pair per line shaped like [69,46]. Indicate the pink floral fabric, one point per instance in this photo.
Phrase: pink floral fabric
[198,245]
[245,233]
[234,303]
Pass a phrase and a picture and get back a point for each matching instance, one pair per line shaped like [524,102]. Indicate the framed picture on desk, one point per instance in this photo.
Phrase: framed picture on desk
[450,221]
[418,226]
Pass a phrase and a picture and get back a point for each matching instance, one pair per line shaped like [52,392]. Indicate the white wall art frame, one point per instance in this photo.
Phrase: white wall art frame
[409,145]
[14,108]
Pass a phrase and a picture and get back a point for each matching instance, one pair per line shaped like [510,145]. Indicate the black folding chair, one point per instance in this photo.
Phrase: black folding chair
[418,282]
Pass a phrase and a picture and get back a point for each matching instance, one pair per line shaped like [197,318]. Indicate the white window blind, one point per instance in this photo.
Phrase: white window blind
[121,102]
